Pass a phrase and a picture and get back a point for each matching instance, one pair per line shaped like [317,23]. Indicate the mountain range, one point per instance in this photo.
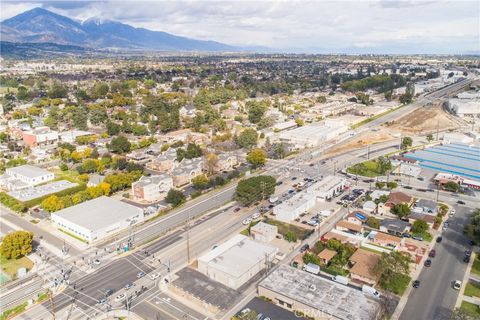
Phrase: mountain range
[42,26]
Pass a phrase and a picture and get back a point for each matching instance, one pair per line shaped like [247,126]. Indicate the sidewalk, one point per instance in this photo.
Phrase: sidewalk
[466,276]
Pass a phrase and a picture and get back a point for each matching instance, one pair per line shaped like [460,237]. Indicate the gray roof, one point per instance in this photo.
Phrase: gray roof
[29,171]
[394,224]
[425,203]
[98,213]
[331,298]
[154,179]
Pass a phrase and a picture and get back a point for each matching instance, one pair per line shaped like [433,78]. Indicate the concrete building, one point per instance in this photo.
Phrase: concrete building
[98,218]
[165,162]
[25,176]
[291,209]
[327,188]
[394,226]
[236,261]
[35,192]
[317,297]
[72,135]
[152,188]
[186,170]
[40,136]
[263,232]
[312,135]
[456,137]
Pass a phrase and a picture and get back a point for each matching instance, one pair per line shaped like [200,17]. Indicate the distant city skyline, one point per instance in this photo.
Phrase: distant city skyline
[443,27]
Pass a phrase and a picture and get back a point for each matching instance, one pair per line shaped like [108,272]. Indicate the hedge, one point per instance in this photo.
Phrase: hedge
[23,206]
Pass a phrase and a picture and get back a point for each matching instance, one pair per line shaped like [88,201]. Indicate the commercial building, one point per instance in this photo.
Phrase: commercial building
[35,192]
[327,188]
[236,261]
[25,176]
[317,297]
[291,209]
[72,135]
[98,218]
[40,136]
[152,188]
[312,135]
[263,232]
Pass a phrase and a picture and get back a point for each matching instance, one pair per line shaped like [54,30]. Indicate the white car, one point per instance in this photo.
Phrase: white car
[154,276]
[457,284]
[256,215]
[452,213]
[247,221]
[96,261]
[120,297]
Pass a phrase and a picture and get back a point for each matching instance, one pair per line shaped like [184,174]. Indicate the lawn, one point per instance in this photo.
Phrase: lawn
[10,266]
[397,284]
[367,168]
[471,309]
[476,265]
[283,228]
[425,235]
[472,290]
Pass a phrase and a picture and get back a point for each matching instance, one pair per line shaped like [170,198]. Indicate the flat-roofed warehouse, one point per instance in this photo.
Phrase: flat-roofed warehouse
[98,218]
[317,297]
[236,261]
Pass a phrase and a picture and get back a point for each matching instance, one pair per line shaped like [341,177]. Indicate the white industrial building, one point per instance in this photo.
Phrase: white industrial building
[291,209]
[25,176]
[312,135]
[456,137]
[327,188]
[98,218]
[236,261]
[464,107]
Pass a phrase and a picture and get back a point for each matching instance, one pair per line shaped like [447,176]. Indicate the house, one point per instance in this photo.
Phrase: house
[346,226]
[326,255]
[357,217]
[25,176]
[428,218]
[40,136]
[186,170]
[71,135]
[138,156]
[369,207]
[153,188]
[426,206]
[398,197]
[263,232]
[343,237]
[363,265]
[385,239]
[94,179]
[188,111]
[226,162]
[165,162]
[394,226]
[376,194]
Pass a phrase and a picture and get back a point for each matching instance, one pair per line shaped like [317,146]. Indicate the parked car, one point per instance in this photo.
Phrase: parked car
[237,209]
[457,284]
[96,262]
[294,178]
[466,259]
[406,235]
[467,253]
[140,274]
[416,284]
[128,286]
[247,221]
[120,297]
[432,253]
[154,276]
[461,202]
[428,263]
[255,215]
[304,248]
[417,238]
[108,292]
[452,213]
[439,239]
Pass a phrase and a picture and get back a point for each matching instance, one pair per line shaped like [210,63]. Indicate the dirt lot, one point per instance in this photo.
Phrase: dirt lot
[424,120]
[364,139]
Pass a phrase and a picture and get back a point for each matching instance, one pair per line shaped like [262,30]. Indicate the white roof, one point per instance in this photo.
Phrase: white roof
[238,255]
[29,171]
[99,213]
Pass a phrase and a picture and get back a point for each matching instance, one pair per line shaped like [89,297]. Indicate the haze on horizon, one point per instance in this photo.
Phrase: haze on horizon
[436,27]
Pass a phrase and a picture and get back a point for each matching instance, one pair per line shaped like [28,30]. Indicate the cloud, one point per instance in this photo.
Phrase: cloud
[438,26]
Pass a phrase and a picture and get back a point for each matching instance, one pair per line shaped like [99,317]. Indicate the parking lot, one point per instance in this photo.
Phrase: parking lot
[261,309]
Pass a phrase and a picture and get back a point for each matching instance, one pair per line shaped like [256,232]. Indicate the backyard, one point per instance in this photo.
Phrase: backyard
[369,168]
[10,266]
[284,228]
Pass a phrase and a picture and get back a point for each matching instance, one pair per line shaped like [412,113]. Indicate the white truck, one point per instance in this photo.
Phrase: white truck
[370,291]
[340,279]
[312,268]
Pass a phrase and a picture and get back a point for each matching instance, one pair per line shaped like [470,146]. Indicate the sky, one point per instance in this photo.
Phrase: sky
[380,26]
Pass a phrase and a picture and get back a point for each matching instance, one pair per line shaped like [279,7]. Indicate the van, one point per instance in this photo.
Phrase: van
[340,279]
[312,268]
[370,291]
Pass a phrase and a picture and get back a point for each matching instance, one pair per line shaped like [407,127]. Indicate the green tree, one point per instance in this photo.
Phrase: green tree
[451,186]
[401,210]
[175,197]
[98,114]
[290,236]
[373,222]
[472,230]
[57,90]
[384,165]
[16,244]
[419,226]
[256,110]
[299,122]
[379,184]
[430,137]
[200,182]
[406,142]
[279,150]
[247,138]
[392,185]
[119,145]
[255,188]
[257,157]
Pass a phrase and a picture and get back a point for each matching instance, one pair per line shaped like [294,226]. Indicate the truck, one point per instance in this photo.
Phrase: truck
[340,279]
[312,268]
[370,291]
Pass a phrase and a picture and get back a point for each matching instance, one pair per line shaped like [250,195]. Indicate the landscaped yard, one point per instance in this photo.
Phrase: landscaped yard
[10,266]
[476,265]
[367,168]
[397,284]
[472,290]
[471,309]
[425,235]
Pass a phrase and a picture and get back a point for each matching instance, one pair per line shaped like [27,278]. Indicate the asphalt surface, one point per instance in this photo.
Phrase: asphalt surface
[435,298]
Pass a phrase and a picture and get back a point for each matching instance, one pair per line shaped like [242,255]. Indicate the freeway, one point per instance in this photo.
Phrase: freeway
[435,298]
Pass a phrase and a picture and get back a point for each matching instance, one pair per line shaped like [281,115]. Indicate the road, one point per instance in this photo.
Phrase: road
[435,298]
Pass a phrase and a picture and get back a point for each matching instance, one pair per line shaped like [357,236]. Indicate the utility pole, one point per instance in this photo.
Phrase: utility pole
[188,239]
[368,152]
[438,124]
